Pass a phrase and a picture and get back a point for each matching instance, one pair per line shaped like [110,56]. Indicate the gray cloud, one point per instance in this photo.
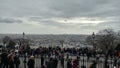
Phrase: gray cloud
[103,25]
[110,24]
[9,20]
[42,12]
[49,22]
[60,8]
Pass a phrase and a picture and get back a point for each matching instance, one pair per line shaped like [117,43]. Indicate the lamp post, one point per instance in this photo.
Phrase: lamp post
[94,48]
[24,51]
[93,37]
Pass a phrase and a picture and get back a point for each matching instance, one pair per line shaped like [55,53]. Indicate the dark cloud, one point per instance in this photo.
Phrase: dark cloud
[46,12]
[85,8]
[9,20]
[60,8]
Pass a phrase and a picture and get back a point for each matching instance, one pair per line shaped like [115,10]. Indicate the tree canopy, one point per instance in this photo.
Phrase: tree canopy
[104,39]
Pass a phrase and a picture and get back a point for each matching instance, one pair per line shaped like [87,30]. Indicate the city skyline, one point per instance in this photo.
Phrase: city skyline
[58,16]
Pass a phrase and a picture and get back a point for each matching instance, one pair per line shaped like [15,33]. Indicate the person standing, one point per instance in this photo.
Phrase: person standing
[4,59]
[75,64]
[42,60]
[16,61]
[0,62]
[69,64]
[55,62]
[50,63]
[31,62]
[93,65]
[11,60]
[62,61]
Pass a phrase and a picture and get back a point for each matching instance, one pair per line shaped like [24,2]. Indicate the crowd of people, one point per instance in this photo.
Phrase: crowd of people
[9,59]
[49,57]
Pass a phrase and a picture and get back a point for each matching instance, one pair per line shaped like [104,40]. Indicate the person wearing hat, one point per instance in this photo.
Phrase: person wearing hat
[31,62]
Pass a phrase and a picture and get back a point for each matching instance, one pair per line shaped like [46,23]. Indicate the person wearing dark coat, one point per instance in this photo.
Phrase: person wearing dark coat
[93,65]
[43,66]
[62,61]
[4,59]
[16,61]
[55,62]
[0,62]
[42,60]
[69,64]
[31,62]
[75,64]
[50,63]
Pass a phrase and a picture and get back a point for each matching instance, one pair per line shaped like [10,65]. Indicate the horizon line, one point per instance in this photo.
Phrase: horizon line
[46,34]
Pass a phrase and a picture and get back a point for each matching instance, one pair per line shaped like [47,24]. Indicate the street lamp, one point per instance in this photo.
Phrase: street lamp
[94,48]
[93,37]
[25,54]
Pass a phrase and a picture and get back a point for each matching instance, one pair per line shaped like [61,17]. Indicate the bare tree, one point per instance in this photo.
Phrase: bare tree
[6,40]
[11,44]
[106,39]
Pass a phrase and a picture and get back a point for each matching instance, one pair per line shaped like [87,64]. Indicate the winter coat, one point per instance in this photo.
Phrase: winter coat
[31,63]
[75,64]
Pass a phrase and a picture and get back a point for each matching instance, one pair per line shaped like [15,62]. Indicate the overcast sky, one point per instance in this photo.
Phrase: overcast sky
[58,16]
